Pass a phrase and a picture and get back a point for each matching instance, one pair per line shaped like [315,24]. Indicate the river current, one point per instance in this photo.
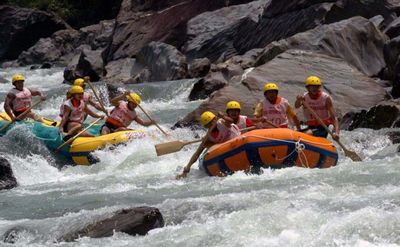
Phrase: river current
[352,204]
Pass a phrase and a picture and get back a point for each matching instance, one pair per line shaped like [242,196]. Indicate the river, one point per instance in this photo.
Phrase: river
[352,204]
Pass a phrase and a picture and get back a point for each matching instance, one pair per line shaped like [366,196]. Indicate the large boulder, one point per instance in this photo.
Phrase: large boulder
[350,89]
[356,40]
[163,21]
[284,18]
[133,221]
[21,28]
[60,47]
[212,34]
[164,62]
[88,63]
[383,115]
[392,57]
[7,179]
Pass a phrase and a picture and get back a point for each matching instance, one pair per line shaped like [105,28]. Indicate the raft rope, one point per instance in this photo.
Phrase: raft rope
[299,147]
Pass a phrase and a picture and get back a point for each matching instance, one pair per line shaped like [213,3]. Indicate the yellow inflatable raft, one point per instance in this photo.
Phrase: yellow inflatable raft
[275,148]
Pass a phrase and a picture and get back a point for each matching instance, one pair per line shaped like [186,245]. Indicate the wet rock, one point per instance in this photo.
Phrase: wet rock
[3,80]
[164,62]
[285,18]
[344,39]
[90,63]
[69,74]
[383,115]
[21,28]
[156,21]
[133,221]
[199,67]
[392,57]
[121,70]
[7,179]
[217,102]
[61,47]
[393,29]
[212,34]
[46,65]
[394,136]
[14,234]
[378,21]
[205,86]
[350,89]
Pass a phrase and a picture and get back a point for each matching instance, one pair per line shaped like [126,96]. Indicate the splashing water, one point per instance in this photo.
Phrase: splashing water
[352,204]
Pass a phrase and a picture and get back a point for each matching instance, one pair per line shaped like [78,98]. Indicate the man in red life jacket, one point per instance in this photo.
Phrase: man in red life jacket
[224,129]
[322,104]
[19,99]
[275,109]
[74,110]
[86,96]
[233,110]
[123,114]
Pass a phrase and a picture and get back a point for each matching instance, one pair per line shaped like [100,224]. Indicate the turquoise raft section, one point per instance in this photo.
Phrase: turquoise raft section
[52,139]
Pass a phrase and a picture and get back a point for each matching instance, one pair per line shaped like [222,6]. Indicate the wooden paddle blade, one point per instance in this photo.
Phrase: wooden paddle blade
[352,155]
[172,147]
[169,147]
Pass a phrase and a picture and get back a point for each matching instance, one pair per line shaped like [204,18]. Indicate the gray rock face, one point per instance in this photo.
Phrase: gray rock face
[7,179]
[383,115]
[163,61]
[213,34]
[89,63]
[60,47]
[350,89]
[392,57]
[133,221]
[284,18]
[158,21]
[199,67]
[21,28]
[356,40]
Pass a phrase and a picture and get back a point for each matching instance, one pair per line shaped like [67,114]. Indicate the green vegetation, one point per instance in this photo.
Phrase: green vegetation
[77,13]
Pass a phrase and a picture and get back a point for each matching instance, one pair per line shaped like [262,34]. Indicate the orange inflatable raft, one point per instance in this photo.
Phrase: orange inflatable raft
[275,148]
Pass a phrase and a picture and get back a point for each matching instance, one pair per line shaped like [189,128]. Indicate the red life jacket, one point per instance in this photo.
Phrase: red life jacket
[22,100]
[276,113]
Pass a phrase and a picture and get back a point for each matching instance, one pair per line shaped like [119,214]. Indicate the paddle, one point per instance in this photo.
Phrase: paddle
[175,146]
[77,135]
[97,97]
[196,154]
[353,155]
[270,123]
[21,115]
[156,124]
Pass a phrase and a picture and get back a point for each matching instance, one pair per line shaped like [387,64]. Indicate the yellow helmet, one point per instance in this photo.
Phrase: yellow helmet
[17,77]
[270,86]
[206,118]
[76,89]
[232,105]
[313,81]
[134,97]
[79,82]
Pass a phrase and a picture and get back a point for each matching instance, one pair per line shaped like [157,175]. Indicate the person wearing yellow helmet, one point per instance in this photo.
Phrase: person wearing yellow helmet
[87,97]
[223,128]
[19,99]
[274,109]
[74,110]
[220,129]
[322,104]
[233,109]
[123,113]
